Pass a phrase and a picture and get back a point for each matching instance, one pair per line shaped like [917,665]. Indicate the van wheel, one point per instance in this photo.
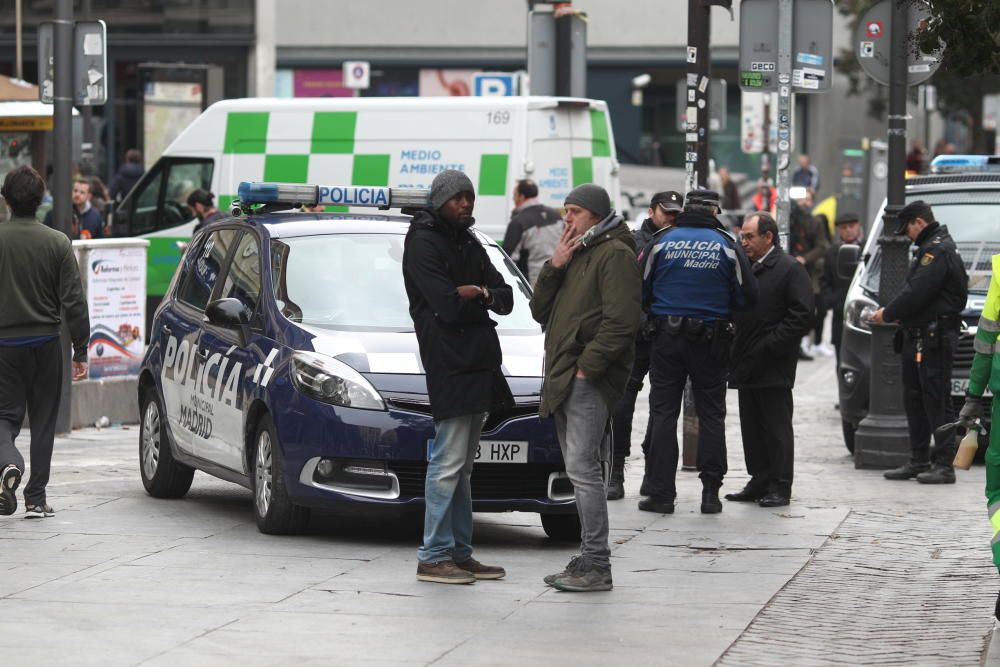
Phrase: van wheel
[162,476]
[849,430]
[562,527]
[274,511]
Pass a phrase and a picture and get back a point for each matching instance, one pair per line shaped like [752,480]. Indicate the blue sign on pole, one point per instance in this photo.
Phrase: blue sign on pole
[495,84]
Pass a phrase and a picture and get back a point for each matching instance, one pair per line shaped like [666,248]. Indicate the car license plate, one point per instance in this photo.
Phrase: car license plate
[502,451]
[961,385]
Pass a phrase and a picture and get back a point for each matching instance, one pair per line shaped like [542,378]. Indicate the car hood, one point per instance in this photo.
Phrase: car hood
[397,353]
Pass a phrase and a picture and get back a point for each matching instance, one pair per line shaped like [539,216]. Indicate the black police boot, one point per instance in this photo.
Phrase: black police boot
[939,474]
[710,503]
[616,483]
[657,506]
[908,471]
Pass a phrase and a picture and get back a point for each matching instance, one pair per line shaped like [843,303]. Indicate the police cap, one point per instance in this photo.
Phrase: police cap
[668,200]
[912,211]
[702,198]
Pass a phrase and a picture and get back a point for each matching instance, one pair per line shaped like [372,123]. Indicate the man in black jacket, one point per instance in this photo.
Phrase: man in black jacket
[764,362]
[41,287]
[929,314]
[452,286]
[833,290]
[663,210]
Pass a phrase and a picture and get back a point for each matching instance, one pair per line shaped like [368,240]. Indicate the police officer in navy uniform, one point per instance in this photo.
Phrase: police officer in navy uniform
[695,275]
[929,314]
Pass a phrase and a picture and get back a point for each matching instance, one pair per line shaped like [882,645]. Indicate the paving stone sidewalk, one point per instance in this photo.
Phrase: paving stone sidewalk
[118,578]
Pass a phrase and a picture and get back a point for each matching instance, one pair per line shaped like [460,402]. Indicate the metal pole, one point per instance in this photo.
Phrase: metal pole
[882,439]
[87,166]
[698,76]
[18,61]
[564,49]
[62,157]
[783,156]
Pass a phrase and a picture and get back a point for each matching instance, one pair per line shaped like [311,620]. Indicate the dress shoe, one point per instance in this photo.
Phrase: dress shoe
[939,474]
[616,482]
[908,471]
[774,500]
[658,506]
[710,503]
[747,495]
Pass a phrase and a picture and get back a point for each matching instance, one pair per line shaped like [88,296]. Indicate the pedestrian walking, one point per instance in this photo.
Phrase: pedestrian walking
[929,313]
[694,277]
[41,290]
[127,176]
[202,203]
[833,290]
[88,223]
[764,362]
[587,298]
[533,232]
[985,373]
[663,210]
[452,288]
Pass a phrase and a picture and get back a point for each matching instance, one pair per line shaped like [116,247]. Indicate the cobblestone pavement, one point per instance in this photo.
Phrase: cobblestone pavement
[119,578]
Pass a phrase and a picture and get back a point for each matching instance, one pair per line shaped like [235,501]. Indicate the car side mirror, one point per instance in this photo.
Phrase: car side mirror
[229,314]
[848,257]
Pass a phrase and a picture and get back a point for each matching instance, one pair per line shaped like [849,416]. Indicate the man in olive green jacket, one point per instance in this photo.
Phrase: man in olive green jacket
[588,298]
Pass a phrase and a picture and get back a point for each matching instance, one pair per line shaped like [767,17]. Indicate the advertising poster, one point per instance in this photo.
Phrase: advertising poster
[447,82]
[116,296]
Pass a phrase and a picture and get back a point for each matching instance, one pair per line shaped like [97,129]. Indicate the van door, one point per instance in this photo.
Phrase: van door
[550,154]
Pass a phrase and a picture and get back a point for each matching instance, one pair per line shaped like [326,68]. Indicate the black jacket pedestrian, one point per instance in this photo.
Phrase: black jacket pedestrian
[937,285]
[765,350]
[125,179]
[458,342]
[644,234]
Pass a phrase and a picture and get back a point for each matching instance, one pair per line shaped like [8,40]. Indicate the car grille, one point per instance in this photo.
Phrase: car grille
[490,481]
[964,352]
[494,420]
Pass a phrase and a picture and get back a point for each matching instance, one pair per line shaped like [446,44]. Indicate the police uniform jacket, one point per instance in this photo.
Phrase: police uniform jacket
[765,349]
[458,341]
[937,285]
[590,311]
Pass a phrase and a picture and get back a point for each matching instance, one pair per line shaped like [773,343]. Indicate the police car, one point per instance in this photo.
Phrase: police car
[283,359]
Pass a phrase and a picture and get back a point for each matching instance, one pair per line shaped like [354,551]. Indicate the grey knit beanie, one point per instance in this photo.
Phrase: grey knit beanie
[446,185]
[592,197]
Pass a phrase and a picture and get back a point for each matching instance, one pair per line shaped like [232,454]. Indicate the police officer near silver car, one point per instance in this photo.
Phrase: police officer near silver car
[663,210]
[929,313]
[694,276]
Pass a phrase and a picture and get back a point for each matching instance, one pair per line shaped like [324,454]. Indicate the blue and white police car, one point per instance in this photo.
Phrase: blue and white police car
[283,359]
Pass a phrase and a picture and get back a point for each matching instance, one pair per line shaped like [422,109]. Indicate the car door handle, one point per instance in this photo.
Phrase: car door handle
[166,330]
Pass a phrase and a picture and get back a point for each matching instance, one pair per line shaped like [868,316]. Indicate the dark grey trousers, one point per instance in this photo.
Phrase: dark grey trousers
[30,377]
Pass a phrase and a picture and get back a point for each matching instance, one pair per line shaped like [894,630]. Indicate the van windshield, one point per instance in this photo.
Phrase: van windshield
[973,220]
[354,282]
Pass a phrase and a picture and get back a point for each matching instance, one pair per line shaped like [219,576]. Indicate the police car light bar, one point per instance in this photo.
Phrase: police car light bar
[292,194]
[951,164]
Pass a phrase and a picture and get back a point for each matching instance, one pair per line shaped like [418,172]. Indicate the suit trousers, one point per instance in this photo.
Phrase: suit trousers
[768,440]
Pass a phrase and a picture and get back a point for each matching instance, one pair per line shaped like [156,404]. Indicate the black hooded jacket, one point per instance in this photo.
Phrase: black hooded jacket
[458,342]
[937,285]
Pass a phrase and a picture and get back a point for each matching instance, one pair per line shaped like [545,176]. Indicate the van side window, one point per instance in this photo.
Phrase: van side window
[183,177]
[243,278]
[144,218]
[201,271]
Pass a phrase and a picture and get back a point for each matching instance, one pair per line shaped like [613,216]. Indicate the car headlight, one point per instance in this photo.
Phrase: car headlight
[331,381]
[857,312]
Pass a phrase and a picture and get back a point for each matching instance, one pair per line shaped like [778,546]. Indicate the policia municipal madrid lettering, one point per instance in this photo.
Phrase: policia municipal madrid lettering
[928,311]
[695,275]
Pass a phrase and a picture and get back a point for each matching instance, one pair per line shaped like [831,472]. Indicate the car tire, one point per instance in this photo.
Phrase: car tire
[162,475]
[562,527]
[275,513]
[849,430]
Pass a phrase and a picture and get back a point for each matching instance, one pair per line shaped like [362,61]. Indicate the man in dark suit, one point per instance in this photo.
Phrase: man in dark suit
[764,362]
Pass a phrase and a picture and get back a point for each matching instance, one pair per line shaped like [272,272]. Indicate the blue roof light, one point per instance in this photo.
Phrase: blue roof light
[293,194]
[943,164]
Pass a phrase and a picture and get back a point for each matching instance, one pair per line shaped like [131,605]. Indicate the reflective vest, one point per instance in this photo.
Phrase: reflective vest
[986,364]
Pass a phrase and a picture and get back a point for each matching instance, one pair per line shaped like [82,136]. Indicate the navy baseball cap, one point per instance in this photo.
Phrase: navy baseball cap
[668,200]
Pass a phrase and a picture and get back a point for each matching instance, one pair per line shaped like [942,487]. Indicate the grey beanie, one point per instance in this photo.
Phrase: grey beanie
[592,197]
[446,185]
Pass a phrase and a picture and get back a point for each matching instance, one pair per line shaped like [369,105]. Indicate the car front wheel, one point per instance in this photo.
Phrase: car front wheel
[161,474]
[562,527]
[274,511]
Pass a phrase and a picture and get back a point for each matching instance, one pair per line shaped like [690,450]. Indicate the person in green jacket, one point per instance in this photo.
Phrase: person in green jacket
[588,299]
[41,289]
[986,372]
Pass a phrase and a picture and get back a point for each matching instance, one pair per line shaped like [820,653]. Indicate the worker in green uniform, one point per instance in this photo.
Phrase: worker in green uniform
[986,371]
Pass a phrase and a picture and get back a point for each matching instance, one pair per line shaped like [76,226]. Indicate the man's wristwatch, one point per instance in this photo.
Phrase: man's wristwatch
[487,297]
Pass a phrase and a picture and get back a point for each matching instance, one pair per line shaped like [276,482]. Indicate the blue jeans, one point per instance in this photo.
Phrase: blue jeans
[448,490]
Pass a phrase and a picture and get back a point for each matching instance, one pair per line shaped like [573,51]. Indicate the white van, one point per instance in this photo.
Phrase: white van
[396,142]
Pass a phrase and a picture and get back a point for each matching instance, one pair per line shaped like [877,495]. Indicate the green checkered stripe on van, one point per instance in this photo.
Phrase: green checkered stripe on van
[600,147]
[278,153]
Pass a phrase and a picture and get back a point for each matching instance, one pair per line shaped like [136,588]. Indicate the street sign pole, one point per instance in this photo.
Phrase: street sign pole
[882,439]
[698,77]
[62,158]
[782,175]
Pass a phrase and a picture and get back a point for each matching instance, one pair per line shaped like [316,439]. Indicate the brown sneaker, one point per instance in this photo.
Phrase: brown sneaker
[445,572]
[480,571]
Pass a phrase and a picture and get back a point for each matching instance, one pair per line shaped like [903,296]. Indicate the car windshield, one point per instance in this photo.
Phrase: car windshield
[973,220]
[354,282]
